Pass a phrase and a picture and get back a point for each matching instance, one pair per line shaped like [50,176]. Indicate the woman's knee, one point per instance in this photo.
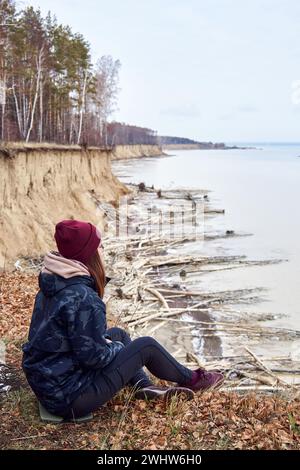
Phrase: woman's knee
[145,341]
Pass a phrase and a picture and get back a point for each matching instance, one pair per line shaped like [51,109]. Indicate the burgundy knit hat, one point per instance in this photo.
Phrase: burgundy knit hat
[76,239]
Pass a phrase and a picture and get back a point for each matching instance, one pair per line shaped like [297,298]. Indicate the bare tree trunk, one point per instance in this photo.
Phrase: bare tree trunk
[3,104]
[39,73]
[41,112]
[71,128]
[3,63]
[82,106]
[2,121]
[105,131]
[21,130]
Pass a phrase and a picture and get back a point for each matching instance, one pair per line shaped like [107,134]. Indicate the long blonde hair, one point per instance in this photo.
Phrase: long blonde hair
[97,271]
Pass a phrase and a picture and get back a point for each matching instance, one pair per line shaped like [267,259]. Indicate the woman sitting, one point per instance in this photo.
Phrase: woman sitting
[73,363]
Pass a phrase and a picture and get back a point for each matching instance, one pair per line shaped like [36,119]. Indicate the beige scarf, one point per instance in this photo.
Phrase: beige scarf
[54,263]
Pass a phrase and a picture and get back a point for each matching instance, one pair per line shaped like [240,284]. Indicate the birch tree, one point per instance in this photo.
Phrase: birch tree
[7,18]
[107,80]
[38,90]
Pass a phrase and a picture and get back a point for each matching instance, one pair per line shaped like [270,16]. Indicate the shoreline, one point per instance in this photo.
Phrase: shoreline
[204,146]
[248,329]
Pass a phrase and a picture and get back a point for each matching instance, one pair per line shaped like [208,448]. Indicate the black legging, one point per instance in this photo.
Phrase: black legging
[126,369]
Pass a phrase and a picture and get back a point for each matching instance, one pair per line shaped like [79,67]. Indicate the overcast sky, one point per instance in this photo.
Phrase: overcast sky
[220,70]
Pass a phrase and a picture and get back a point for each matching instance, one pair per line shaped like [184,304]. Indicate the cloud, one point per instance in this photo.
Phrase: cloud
[247,109]
[182,111]
[227,116]
[233,113]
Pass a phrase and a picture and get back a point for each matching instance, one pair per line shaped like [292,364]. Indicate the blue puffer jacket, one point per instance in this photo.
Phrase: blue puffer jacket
[66,344]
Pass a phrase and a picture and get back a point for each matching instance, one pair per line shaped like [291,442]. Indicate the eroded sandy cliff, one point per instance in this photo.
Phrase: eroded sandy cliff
[40,185]
[133,151]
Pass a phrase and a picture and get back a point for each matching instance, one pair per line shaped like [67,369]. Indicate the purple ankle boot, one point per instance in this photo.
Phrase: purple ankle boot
[203,380]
